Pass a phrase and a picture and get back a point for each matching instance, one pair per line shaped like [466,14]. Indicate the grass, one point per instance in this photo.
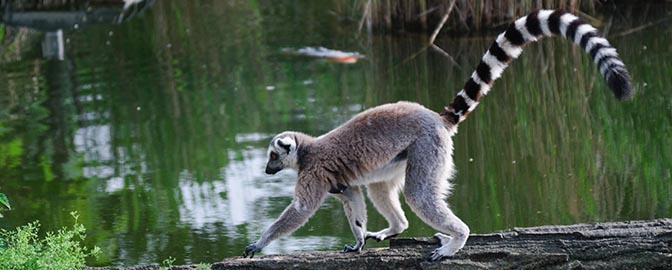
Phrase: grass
[22,249]
[424,15]
[473,15]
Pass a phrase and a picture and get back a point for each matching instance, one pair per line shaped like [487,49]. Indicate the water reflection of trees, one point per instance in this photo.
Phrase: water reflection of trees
[154,142]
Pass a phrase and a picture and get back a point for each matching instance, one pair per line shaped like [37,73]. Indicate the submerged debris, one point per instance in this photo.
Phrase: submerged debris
[328,54]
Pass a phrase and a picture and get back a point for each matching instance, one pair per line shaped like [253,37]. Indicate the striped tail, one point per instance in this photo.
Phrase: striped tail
[509,45]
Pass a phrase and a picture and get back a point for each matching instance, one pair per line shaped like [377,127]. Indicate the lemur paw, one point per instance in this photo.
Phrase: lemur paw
[442,253]
[380,236]
[449,246]
[356,248]
[445,239]
[250,250]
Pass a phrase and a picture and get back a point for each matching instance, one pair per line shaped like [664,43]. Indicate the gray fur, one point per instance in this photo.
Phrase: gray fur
[355,211]
[392,147]
[385,198]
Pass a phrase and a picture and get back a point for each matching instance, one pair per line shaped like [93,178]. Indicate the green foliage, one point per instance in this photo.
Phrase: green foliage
[4,202]
[203,266]
[21,249]
[167,264]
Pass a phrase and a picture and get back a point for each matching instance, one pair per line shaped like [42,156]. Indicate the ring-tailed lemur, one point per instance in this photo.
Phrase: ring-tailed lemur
[406,147]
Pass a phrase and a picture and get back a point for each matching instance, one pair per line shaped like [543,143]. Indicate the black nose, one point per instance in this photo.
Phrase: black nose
[270,170]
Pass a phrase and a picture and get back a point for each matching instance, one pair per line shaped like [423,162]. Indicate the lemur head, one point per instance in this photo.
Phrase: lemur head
[282,153]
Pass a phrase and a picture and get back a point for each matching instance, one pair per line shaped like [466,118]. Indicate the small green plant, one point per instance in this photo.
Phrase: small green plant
[4,203]
[21,249]
[203,266]
[167,264]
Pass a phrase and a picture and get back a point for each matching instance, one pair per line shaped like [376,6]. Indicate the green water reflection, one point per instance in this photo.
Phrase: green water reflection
[155,131]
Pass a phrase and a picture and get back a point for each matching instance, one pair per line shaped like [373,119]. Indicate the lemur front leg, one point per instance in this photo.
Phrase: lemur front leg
[385,197]
[308,196]
[355,210]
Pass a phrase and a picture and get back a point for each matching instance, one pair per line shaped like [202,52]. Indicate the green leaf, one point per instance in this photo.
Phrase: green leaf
[4,201]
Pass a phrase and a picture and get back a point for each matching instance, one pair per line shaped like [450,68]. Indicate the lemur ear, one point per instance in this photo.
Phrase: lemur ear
[286,143]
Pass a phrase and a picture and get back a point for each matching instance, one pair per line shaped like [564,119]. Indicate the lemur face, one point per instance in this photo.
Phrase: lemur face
[281,153]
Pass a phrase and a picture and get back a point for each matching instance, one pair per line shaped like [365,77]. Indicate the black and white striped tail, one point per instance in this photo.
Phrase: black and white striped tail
[509,45]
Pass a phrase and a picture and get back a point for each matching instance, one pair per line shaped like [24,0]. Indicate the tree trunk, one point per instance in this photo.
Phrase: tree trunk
[614,245]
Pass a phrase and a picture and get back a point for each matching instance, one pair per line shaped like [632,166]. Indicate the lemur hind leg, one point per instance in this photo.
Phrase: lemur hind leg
[355,210]
[385,197]
[426,188]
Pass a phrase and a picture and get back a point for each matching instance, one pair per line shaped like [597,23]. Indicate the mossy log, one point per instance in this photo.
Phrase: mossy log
[613,245]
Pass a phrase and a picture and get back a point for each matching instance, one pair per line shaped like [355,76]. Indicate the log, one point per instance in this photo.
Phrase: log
[613,245]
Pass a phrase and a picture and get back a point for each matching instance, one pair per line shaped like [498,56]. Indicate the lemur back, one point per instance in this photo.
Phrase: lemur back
[509,45]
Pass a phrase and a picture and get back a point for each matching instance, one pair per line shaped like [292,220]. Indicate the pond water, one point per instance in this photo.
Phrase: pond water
[155,131]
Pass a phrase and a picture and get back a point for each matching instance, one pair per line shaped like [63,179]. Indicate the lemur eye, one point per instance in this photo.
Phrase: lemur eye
[274,156]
